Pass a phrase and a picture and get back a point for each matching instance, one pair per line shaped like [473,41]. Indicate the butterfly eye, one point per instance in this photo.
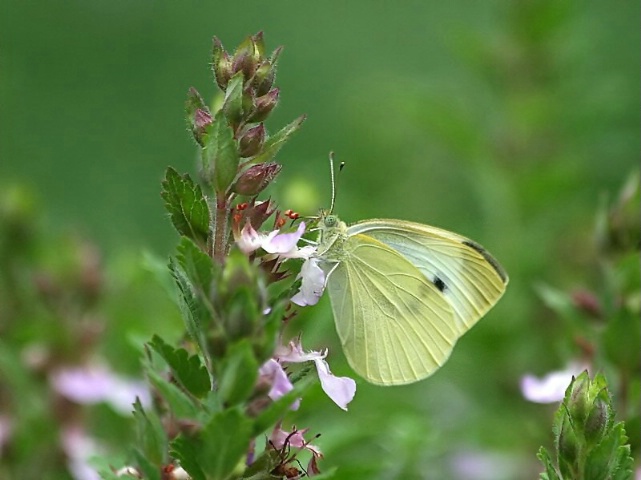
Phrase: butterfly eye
[331,220]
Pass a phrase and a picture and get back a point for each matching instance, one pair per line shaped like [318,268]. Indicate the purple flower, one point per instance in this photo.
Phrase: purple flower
[273,372]
[551,388]
[95,384]
[340,389]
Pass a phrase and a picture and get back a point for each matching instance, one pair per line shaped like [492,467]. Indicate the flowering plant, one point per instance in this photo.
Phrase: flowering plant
[230,381]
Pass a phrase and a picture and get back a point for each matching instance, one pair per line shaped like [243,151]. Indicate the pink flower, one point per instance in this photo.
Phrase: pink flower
[340,389]
[284,245]
[95,384]
[272,371]
[551,388]
[280,439]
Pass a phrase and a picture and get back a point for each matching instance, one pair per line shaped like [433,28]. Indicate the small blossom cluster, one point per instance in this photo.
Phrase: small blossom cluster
[284,246]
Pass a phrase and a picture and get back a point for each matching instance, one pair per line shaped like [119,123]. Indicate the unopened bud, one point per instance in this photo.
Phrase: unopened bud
[252,141]
[202,119]
[221,64]
[264,105]
[254,180]
[264,78]
[597,422]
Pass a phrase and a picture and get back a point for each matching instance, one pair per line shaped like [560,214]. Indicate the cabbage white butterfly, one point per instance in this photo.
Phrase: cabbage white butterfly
[403,293]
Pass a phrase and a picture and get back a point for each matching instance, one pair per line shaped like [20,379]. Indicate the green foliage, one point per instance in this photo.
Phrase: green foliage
[589,445]
[221,445]
[275,142]
[186,205]
[152,440]
[220,155]
[187,369]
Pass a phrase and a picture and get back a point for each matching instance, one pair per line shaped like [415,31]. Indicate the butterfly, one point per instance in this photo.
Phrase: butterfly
[403,293]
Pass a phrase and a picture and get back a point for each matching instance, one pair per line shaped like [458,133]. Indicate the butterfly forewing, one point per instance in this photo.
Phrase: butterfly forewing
[465,274]
[395,325]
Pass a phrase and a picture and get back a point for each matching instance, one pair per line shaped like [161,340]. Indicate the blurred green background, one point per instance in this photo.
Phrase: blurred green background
[506,121]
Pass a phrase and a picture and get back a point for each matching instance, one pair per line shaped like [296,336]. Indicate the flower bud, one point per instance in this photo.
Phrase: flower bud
[264,105]
[248,56]
[264,78]
[597,422]
[251,141]
[578,402]
[254,180]
[202,119]
[221,64]
[568,446]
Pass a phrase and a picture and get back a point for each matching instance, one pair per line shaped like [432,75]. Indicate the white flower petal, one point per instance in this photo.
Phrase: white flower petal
[313,284]
[283,243]
[250,240]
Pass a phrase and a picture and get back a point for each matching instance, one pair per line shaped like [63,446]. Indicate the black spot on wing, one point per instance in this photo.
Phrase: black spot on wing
[489,258]
[438,283]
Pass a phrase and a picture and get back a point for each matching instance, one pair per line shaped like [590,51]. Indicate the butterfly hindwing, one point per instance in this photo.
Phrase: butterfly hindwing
[395,325]
[469,278]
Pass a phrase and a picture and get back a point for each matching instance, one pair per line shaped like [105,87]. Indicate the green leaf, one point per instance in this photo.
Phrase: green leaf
[220,156]
[226,440]
[180,404]
[193,310]
[197,265]
[151,436]
[238,373]
[275,142]
[148,469]
[611,456]
[186,451]
[187,206]
[233,103]
[550,472]
[188,370]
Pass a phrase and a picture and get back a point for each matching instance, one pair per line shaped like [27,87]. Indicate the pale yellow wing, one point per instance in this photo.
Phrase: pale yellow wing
[395,326]
[469,277]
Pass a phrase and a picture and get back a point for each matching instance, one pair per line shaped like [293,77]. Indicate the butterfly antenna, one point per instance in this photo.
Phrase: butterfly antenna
[334,179]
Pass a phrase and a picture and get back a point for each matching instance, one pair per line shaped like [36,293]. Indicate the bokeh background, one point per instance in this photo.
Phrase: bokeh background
[507,121]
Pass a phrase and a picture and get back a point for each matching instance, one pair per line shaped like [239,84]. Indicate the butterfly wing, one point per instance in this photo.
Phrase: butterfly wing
[468,277]
[395,326]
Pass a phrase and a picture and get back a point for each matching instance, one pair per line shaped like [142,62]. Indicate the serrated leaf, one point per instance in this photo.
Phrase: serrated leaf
[275,142]
[187,206]
[193,311]
[226,440]
[186,451]
[238,373]
[180,404]
[188,370]
[611,455]
[220,156]
[198,266]
[151,436]
[550,472]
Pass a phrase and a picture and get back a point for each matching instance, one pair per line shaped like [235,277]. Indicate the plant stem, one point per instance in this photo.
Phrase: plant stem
[220,227]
